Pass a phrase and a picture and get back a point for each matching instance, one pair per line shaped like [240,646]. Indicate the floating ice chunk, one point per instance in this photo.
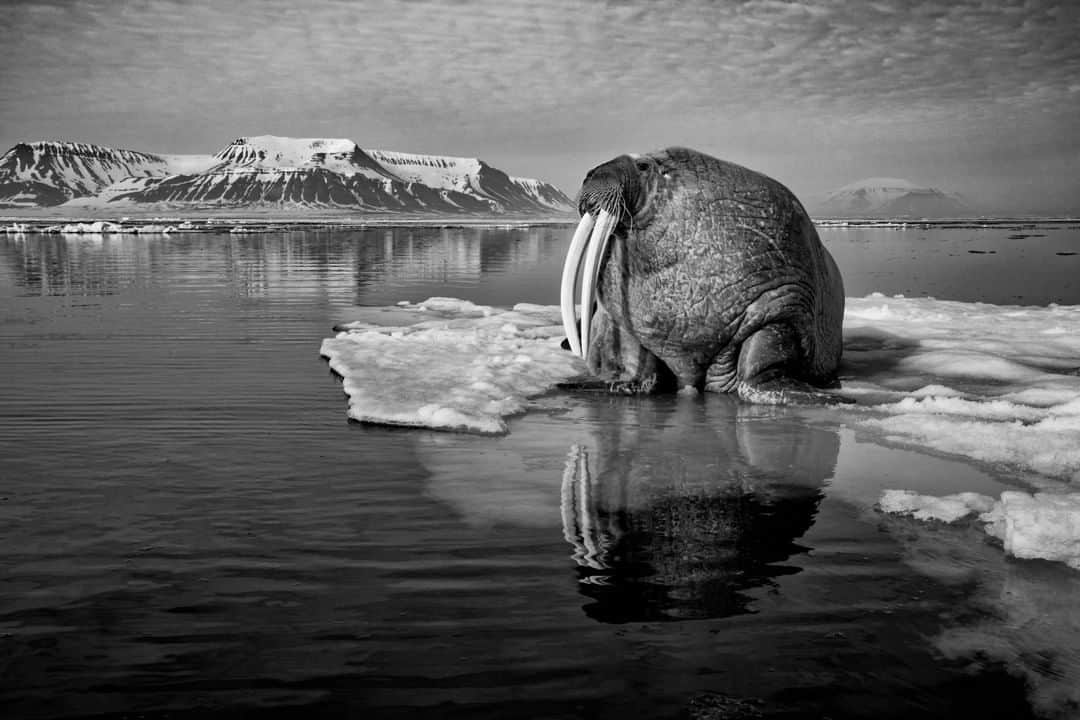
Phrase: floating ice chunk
[453,306]
[102,227]
[98,227]
[949,508]
[467,370]
[1050,446]
[1043,526]
[149,229]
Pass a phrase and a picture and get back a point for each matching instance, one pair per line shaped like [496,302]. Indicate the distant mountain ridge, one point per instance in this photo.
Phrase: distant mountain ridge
[890,197]
[268,170]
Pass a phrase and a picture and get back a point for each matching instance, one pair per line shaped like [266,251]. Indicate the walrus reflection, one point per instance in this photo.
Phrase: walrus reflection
[684,507]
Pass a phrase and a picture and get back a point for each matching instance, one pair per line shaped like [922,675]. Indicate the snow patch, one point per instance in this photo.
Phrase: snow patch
[275,151]
[275,155]
[437,171]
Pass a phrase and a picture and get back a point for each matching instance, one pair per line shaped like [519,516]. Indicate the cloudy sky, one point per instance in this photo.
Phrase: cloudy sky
[977,97]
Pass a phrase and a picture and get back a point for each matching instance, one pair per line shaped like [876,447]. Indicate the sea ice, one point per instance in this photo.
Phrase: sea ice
[93,228]
[104,227]
[996,384]
[1043,525]
[927,507]
[464,367]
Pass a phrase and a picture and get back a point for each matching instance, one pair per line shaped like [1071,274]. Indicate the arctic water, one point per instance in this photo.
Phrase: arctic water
[190,527]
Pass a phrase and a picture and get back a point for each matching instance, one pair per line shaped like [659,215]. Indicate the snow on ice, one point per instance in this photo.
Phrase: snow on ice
[458,366]
[996,384]
[949,508]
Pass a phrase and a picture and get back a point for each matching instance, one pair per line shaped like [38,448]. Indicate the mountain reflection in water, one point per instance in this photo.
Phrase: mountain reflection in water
[664,531]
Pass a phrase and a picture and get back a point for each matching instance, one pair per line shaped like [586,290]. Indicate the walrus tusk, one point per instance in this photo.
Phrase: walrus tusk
[605,224]
[569,279]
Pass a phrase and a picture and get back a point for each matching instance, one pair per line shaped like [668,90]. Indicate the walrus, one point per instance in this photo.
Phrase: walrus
[705,276]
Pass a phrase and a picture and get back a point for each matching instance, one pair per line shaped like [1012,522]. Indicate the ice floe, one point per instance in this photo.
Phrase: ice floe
[997,384]
[1030,526]
[98,227]
[949,508]
[1042,525]
[456,366]
[101,227]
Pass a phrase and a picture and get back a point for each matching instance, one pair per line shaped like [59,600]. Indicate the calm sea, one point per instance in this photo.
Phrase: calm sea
[190,528]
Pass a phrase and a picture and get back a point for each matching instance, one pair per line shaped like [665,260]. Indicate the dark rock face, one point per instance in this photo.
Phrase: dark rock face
[26,193]
[50,173]
[268,171]
[309,187]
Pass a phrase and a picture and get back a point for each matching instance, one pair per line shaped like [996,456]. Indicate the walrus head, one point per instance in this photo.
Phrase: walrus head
[614,194]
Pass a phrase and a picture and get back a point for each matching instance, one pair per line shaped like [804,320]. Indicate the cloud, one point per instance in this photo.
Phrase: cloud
[525,57]
[553,82]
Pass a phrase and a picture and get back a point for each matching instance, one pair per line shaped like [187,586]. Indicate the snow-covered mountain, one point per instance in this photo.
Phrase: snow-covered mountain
[268,171]
[890,197]
[50,173]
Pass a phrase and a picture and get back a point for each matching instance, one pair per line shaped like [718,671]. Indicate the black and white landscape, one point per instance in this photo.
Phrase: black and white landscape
[267,171]
[287,424]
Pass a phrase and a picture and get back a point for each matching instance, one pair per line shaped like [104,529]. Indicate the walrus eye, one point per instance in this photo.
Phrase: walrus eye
[642,166]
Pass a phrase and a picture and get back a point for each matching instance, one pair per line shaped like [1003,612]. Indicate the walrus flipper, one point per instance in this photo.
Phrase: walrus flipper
[772,369]
[787,391]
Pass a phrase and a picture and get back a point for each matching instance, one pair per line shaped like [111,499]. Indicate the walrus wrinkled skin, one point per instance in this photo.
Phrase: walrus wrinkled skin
[705,275]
